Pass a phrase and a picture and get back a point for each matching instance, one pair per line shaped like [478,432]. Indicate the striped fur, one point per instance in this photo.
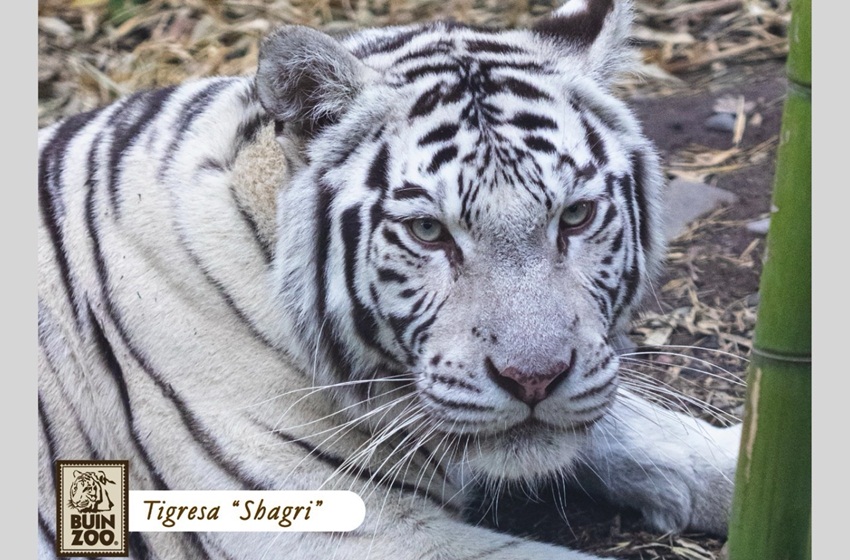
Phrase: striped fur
[232,293]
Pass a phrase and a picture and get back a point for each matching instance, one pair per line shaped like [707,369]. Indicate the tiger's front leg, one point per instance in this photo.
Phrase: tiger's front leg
[677,470]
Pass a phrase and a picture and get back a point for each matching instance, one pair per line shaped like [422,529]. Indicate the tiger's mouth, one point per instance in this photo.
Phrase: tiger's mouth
[530,450]
[531,426]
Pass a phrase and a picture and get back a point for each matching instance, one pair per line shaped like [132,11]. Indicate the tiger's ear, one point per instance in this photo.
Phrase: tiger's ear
[306,79]
[593,33]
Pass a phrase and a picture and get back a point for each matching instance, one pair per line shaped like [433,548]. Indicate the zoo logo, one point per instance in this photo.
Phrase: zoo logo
[91,508]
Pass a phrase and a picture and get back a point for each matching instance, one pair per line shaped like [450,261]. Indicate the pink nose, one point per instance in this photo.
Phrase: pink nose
[530,388]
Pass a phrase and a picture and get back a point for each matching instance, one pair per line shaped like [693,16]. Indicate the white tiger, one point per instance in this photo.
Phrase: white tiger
[396,263]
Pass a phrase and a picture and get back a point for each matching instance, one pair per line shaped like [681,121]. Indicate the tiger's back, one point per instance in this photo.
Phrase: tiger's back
[395,264]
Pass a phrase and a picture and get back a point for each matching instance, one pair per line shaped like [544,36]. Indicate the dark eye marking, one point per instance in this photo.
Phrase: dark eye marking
[410,190]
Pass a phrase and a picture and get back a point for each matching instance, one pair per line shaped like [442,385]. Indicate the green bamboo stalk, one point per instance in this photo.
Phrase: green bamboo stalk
[771,511]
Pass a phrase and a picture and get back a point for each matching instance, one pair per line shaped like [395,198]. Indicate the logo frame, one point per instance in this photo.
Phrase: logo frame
[102,486]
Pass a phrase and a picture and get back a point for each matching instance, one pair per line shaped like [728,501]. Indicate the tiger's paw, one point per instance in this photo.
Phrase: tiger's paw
[695,492]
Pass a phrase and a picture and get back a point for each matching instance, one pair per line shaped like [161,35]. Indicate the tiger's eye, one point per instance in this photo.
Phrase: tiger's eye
[426,229]
[577,215]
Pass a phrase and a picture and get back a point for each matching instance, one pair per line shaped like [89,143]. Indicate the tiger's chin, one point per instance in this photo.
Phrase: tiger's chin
[529,451]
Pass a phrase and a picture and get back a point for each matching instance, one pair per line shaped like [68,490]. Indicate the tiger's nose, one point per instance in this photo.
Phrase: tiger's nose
[530,387]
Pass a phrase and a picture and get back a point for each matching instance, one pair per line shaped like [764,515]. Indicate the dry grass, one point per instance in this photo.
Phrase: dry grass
[92,51]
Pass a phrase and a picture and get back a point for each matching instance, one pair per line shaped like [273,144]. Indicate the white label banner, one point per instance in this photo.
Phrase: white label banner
[244,510]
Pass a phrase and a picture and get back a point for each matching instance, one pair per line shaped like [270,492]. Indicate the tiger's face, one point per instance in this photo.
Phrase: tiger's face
[484,224]
[87,494]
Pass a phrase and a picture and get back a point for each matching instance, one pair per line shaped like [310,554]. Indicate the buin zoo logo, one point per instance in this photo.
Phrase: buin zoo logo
[91,505]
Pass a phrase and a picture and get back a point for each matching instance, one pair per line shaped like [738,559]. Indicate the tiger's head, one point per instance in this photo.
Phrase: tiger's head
[471,220]
[87,493]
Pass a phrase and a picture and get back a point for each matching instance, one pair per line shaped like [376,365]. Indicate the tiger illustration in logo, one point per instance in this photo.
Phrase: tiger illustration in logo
[88,493]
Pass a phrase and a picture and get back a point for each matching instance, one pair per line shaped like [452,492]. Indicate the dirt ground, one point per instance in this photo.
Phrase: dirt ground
[700,59]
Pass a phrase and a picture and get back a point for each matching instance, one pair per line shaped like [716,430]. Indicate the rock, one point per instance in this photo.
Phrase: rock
[687,201]
[722,122]
[55,27]
[759,226]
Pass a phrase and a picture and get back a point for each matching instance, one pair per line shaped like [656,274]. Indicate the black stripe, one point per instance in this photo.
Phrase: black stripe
[50,204]
[468,196]
[205,548]
[606,221]
[427,51]
[192,424]
[457,405]
[139,547]
[247,131]
[386,45]
[49,535]
[50,440]
[594,141]
[424,326]
[417,305]
[387,275]
[426,102]
[608,115]
[442,133]
[430,69]
[376,215]
[617,244]
[610,290]
[578,28]
[491,46]
[443,156]
[400,323]
[202,436]
[603,303]
[393,239]
[530,121]
[252,226]
[639,175]
[365,322]
[193,108]
[451,380]
[524,89]
[429,458]
[323,228]
[631,278]
[600,366]
[566,159]
[410,190]
[227,298]
[117,374]
[331,344]
[536,70]
[539,144]
[99,338]
[128,128]
[594,391]
[377,177]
